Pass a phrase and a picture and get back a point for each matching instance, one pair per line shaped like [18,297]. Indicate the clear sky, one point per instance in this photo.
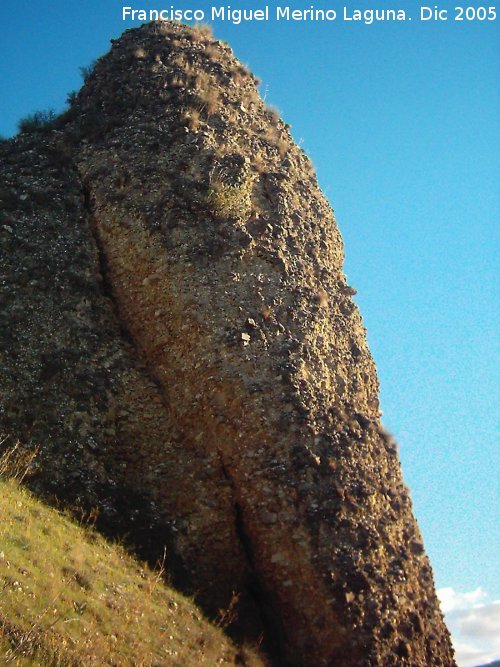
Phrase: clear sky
[402,123]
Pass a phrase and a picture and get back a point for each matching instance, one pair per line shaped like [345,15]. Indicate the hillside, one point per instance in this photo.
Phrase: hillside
[69,597]
[179,339]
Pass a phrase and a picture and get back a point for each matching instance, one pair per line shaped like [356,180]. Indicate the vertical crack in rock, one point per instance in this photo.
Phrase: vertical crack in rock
[106,286]
[257,613]
[202,530]
[211,591]
[258,448]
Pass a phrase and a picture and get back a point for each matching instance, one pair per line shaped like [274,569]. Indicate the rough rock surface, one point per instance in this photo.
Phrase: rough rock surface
[178,334]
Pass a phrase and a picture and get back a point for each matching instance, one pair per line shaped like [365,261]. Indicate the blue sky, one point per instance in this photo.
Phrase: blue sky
[402,123]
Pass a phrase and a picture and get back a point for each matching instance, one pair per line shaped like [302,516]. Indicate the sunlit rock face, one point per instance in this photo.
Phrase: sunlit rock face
[179,338]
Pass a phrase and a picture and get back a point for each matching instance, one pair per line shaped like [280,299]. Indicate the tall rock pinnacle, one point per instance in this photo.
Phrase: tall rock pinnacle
[184,346]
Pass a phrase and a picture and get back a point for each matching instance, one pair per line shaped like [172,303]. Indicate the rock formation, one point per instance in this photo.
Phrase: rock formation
[178,336]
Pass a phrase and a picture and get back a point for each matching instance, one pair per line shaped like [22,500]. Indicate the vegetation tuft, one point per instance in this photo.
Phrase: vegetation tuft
[203,31]
[87,70]
[229,201]
[40,121]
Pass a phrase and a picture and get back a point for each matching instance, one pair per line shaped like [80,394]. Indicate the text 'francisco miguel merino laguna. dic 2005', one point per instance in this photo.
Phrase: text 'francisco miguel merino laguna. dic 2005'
[274,13]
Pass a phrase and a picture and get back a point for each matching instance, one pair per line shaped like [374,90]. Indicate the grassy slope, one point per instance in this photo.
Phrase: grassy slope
[69,597]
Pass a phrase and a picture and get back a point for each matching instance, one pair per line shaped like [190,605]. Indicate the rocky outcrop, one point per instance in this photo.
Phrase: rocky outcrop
[182,339]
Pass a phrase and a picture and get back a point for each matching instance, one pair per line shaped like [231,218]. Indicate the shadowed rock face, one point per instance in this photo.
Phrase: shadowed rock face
[192,361]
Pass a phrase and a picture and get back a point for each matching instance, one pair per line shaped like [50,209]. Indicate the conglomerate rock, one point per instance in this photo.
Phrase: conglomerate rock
[179,337]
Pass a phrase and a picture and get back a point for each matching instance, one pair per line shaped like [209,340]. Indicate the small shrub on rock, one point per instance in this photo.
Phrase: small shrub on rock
[40,121]
[229,201]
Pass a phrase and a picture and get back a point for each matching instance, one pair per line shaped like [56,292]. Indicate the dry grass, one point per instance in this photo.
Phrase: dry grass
[209,99]
[240,74]
[212,52]
[259,163]
[15,660]
[202,80]
[15,461]
[203,31]
[191,119]
[207,92]
[177,81]
[283,146]
[273,114]
[179,60]
[275,139]
[70,598]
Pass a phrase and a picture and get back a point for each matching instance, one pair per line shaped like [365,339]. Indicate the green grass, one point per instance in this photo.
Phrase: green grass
[69,597]
[229,200]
